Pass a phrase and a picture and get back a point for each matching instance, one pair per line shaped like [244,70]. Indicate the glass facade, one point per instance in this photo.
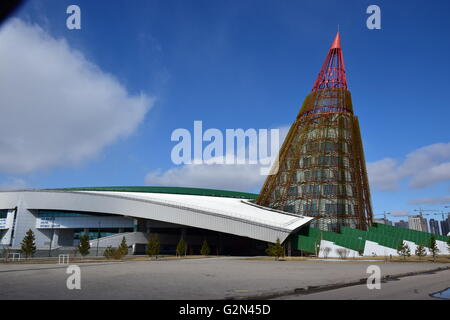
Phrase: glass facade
[95,234]
[3,214]
[54,214]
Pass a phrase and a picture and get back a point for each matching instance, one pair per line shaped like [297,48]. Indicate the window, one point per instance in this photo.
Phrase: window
[3,214]
[307,175]
[321,174]
[306,162]
[95,234]
[326,146]
[311,208]
[289,208]
[292,191]
[329,189]
[52,214]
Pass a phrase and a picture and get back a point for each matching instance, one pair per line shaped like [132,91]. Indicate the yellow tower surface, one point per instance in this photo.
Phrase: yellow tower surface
[321,167]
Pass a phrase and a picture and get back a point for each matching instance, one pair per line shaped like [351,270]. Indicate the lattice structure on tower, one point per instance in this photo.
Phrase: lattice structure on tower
[321,167]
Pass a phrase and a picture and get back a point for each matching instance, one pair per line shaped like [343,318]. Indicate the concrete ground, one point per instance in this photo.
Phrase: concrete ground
[418,287]
[208,278]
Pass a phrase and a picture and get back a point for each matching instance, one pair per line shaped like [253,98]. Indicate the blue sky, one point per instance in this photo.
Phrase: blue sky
[249,64]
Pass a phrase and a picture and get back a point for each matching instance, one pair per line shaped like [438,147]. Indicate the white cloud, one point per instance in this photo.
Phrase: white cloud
[215,176]
[431,201]
[240,177]
[400,213]
[423,167]
[383,174]
[57,107]
[13,184]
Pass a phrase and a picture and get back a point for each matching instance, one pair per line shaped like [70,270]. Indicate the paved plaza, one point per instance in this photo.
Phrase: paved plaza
[206,278]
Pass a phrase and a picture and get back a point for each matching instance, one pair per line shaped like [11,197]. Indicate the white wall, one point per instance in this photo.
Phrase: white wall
[8,226]
[115,240]
[372,249]
[333,252]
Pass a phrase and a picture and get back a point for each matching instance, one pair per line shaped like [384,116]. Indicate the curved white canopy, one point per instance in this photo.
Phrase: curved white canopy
[229,215]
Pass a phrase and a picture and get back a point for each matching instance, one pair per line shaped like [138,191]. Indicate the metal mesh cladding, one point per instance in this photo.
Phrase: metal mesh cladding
[321,165]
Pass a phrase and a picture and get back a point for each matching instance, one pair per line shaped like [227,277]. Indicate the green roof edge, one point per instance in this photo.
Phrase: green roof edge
[170,190]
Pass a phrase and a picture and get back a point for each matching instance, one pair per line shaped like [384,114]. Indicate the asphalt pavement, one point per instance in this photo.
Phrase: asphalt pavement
[208,278]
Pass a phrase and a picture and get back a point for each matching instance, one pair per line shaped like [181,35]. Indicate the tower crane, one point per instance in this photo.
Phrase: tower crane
[384,214]
[448,213]
[421,212]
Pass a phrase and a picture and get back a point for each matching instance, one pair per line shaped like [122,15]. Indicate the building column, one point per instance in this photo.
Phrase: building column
[183,233]
[289,246]
[55,235]
[140,225]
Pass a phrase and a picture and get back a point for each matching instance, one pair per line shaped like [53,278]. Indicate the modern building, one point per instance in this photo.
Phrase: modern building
[230,221]
[402,224]
[434,226]
[321,168]
[417,223]
[383,221]
[445,225]
[318,201]
[425,225]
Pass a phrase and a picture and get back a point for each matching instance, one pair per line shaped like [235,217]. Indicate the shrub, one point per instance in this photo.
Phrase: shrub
[84,246]
[113,253]
[275,250]
[28,245]
[181,248]
[433,247]
[420,251]
[403,250]
[204,251]
[124,246]
[153,246]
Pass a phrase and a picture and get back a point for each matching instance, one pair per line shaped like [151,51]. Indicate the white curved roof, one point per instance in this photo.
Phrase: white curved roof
[228,215]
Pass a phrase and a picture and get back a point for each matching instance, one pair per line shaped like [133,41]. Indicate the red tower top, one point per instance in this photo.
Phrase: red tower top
[332,74]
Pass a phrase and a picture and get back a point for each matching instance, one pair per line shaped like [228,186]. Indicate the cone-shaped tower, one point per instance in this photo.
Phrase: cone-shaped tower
[321,168]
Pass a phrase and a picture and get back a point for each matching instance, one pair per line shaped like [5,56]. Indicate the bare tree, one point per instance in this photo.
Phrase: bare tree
[421,251]
[403,250]
[326,251]
[342,253]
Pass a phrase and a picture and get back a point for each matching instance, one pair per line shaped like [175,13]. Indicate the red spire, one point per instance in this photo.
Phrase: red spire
[332,74]
[337,42]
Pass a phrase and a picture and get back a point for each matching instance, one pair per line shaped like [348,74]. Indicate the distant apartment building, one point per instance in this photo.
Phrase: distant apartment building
[445,225]
[402,223]
[383,221]
[417,223]
[434,226]
[425,225]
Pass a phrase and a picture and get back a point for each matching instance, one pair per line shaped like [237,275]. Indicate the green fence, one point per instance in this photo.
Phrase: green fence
[308,238]
[311,237]
[415,236]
